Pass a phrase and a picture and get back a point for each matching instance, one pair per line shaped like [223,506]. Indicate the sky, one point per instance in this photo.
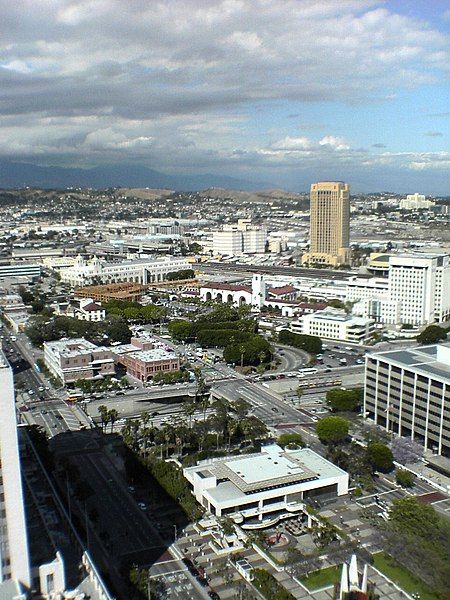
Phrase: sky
[284,92]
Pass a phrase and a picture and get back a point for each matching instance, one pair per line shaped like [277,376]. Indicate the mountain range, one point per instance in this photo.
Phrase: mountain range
[21,174]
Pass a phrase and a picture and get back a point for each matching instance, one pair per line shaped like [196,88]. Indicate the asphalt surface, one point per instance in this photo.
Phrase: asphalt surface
[269,270]
[266,405]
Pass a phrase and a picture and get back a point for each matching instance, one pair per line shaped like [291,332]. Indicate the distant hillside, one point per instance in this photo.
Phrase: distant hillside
[253,196]
[144,193]
[15,174]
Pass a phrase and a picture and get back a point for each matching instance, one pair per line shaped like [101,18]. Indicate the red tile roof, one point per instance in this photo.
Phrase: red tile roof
[91,307]
[281,291]
[227,286]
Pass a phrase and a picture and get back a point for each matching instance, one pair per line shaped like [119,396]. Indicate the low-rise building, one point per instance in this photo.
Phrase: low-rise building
[133,270]
[77,358]
[129,292]
[20,269]
[415,202]
[259,490]
[335,324]
[145,364]
[87,310]
[407,391]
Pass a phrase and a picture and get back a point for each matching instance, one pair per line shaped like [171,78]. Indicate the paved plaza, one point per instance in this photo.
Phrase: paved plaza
[224,579]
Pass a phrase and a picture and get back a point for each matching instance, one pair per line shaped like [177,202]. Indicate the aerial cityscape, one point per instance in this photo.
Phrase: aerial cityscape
[225,300]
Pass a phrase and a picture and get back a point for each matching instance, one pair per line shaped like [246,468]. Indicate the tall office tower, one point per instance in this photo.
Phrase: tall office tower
[330,224]
[14,557]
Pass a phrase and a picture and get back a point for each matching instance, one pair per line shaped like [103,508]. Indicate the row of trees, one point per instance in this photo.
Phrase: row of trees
[226,328]
[419,539]
[359,461]
[308,343]
[134,311]
[228,426]
[90,386]
[180,275]
[46,329]
[171,377]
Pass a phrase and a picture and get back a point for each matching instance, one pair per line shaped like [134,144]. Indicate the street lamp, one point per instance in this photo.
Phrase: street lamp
[175,533]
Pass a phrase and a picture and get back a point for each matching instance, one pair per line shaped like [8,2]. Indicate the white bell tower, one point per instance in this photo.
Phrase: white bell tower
[258,291]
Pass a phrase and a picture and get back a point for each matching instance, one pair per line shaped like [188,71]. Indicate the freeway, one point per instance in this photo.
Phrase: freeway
[268,406]
[269,270]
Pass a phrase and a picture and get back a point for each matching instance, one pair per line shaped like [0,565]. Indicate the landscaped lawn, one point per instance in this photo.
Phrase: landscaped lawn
[401,576]
[323,578]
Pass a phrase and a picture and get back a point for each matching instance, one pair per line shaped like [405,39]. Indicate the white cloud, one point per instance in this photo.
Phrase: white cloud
[180,83]
[336,143]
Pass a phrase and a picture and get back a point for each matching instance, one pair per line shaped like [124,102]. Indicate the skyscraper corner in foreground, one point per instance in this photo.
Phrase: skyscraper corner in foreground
[15,564]
[330,224]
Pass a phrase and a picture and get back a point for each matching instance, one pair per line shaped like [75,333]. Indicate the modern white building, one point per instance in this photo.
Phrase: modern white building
[335,324]
[422,283]
[14,555]
[77,358]
[227,242]
[240,238]
[361,288]
[416,292]
[259,490]
[407,391]
[139,270]
[415,202]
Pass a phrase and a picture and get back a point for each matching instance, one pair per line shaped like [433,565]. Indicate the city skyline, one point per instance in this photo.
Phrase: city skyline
[271,92]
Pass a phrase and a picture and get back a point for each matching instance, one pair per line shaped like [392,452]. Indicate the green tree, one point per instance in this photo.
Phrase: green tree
[380,457]
[179,275]
[404,478]
[104,416]
[117,330]
[290,440]
[309,343]
[409,515]
[432,335]
[181,330]
[113,415]
[332,430]
[341,400]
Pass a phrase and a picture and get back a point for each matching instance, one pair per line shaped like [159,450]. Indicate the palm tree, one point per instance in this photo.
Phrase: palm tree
[200,431]
[146,434]
[189,409]
[241,407]
[113,415]
[201,385]
[104,416]
[145,418]
[204,403]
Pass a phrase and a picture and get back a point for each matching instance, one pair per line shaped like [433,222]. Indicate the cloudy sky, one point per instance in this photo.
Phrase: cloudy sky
[278,91]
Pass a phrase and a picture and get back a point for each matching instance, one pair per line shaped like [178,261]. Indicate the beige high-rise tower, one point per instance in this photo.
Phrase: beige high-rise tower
[330,224]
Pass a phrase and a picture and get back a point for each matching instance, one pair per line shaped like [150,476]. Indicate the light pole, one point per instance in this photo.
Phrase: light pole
[175,533]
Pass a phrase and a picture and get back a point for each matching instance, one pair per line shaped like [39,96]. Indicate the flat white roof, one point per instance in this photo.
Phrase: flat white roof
[273,467]
[265,467]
